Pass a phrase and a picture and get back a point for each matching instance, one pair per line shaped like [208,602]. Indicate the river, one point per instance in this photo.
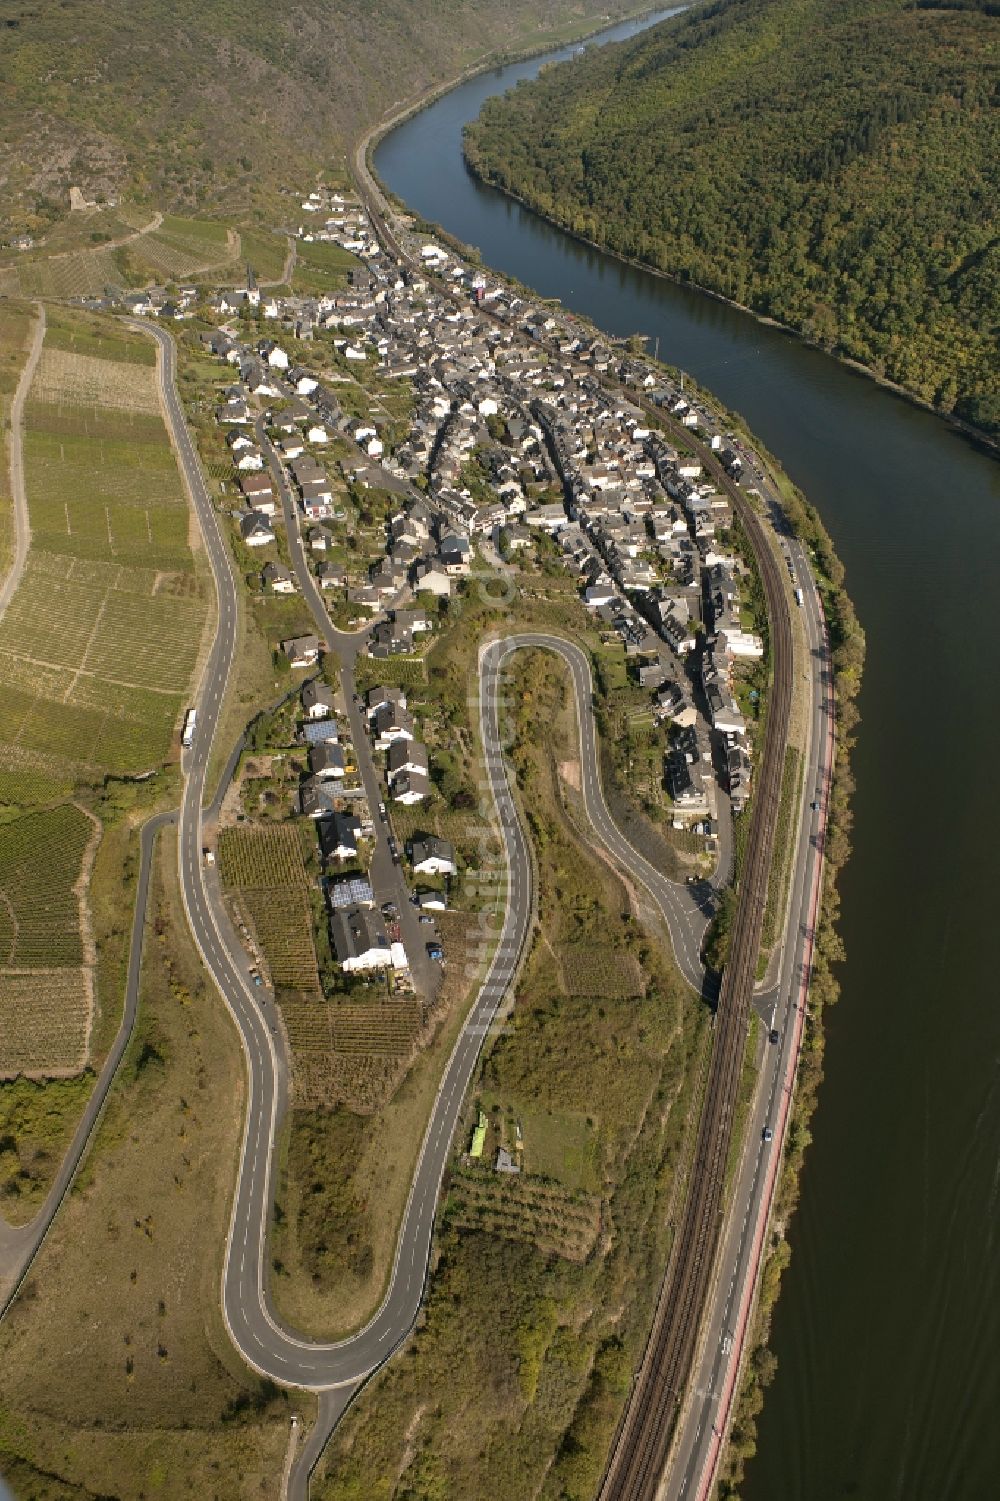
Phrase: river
[886,1332]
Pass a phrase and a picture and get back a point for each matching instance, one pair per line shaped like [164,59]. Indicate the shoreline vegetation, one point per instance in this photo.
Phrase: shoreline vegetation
[813,227]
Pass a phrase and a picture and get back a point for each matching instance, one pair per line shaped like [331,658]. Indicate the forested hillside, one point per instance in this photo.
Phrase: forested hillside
[217,104]
[830,163]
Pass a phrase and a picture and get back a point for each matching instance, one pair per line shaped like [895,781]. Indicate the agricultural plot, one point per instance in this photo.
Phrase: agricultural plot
[321,267]
[389,1027]
[84,380]
[264,252]
[46,955]
[264,865]
[282,919]
[518,1207]
[182,247]
[588,969]
[86,273]
[90,333]
[44,1022]
[99,644]
[262,856]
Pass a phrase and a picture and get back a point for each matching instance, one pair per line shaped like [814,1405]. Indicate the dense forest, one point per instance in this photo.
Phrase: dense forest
[829,163]
[218,104]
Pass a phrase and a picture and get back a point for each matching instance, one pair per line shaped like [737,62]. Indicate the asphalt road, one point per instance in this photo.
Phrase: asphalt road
[708,1406]
[19,1244]
[269,1346]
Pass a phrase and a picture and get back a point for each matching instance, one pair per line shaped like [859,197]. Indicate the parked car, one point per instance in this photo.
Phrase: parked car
[425,919]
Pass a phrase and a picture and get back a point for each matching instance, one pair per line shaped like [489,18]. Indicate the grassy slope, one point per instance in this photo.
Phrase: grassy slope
[223,103]
[827,162]
[119,1379]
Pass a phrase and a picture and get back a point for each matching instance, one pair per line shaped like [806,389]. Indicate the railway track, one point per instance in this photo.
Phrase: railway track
[642,1446]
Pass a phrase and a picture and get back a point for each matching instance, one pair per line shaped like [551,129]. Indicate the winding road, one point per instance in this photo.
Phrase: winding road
[335,1370]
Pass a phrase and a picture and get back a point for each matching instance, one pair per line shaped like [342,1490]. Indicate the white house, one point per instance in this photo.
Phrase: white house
[410,787]
[317,700]
[276,577]
[256,530]
[359,939]
[433,857]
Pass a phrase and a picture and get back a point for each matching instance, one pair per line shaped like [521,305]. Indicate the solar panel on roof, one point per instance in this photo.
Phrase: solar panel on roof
[353,891]
[319,731]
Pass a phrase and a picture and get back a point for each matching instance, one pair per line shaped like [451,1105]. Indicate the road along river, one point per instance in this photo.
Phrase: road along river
[887,1327]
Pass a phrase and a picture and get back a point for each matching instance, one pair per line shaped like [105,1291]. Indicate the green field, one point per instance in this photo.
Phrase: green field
[180,248]
[321,266]
[264,252]
[99,644]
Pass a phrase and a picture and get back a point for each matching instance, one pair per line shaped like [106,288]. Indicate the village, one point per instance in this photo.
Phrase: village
[520,437]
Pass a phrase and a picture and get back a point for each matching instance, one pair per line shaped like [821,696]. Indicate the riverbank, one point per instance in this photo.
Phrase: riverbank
[804,521]
[976,435]
[870,1270]
[847,651]
[367,142]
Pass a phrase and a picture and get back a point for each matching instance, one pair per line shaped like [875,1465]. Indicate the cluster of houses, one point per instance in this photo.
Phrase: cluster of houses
[514,433]
[331,794]
[392,731]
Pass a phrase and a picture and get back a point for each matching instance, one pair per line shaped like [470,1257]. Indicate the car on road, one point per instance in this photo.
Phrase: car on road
[767,1134]
[774,1037]
[814,806]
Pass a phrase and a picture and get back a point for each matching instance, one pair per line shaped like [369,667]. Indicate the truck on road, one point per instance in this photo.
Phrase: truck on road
[190,724]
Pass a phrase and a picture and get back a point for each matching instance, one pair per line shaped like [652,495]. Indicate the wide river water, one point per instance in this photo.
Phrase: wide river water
[886,1332]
